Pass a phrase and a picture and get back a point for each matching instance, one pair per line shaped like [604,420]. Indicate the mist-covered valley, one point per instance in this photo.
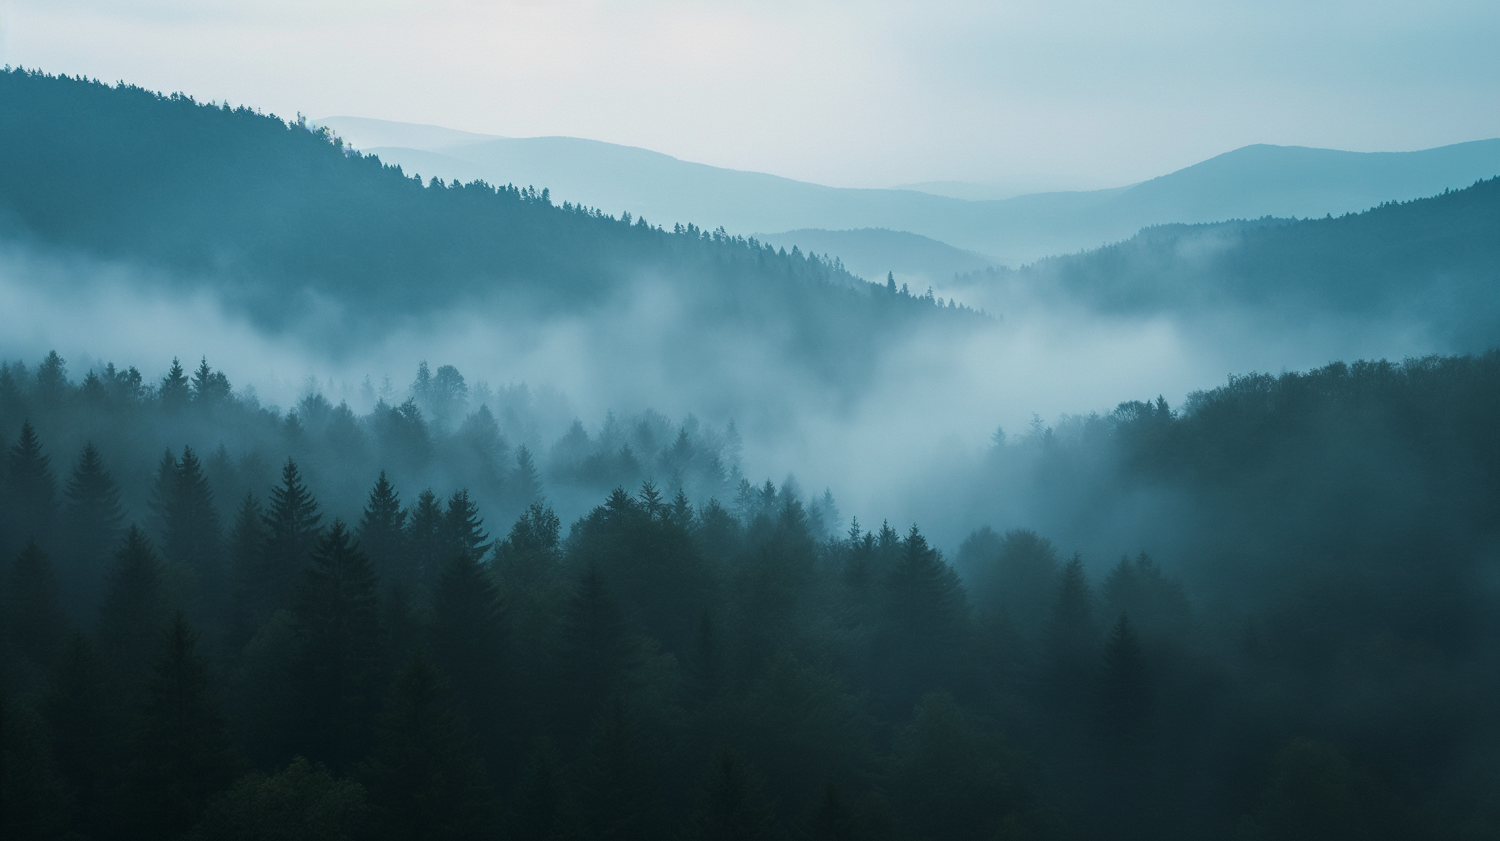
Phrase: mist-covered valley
[594,526]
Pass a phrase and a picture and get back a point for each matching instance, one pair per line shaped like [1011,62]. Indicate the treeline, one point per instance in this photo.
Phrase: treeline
[277,220]
[1427,264]
[664,665]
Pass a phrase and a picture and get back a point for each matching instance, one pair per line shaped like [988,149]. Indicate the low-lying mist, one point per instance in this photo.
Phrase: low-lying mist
[888,439]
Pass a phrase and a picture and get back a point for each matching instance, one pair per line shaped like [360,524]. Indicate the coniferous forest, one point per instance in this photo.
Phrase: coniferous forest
[1267,612]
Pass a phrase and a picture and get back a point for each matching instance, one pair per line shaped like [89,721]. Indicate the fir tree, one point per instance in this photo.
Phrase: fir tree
[338,659]
[542,810]
[192,537]
[183,756]
[34,802]
[381,532]
[134,611]
[93,521]
[423,779]
[1125,687]
[598,653]
[31,490]
[292,530]
[525,482]
[34,617]
[209,387]
[463,528]
[619,801]
[174,391]
[247,564]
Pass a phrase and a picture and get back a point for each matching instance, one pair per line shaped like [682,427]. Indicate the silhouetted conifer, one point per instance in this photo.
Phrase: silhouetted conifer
[191,534]
[597,653]
[463,528]
[93,520]
[337,667]
[31,491]
[731,806]
[134,610]
[381,533]
[34,801]
[468,644]
[209,387]
[543,811]
[292,530]
[246,552]
[832,819]
[34,619]
[174,391]
[619,799]
[426,540]
[525,483]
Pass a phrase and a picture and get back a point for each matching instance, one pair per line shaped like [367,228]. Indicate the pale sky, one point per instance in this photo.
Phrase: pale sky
[870,93]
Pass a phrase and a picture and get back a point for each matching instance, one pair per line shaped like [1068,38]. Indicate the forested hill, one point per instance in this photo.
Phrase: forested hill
[1432,262]
[275,214]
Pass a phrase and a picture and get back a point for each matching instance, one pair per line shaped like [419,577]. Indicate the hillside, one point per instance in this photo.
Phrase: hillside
[1432,264]
[279,222]
[1250,182]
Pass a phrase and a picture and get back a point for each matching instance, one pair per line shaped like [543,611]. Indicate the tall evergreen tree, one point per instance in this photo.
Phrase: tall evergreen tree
[542,810]
[175,390]
[1072,645]
[183,755]
[34,802]
[246,552]
[191,534]
[425,539]
[463,528]
[423,779]
[34,617]
[598,653]
[209,387]
[292,530]
[134,610]
[31,491]
[337,669]
[381,532]
[93,520]
[618,799]
[525,484]
[1125,687]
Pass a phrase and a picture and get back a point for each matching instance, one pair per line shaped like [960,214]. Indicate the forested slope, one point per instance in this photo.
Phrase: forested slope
[1432,263]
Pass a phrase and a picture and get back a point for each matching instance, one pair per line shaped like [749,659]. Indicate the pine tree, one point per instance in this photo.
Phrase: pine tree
[525,482]
[209,387]
[381,533]
[183,756]
[31,491]
[1071,652]
[338,659]
[292,530]
[425,539]
[174,391]
[531,551]
[731,806]
[423,779]
[463,528]
[34,617]
[192,537]
[134,611]
[93,520]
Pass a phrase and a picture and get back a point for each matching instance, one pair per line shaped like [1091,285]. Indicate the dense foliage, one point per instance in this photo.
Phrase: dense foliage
[189,653]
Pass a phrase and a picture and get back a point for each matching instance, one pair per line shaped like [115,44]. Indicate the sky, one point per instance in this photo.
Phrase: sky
[1061,93]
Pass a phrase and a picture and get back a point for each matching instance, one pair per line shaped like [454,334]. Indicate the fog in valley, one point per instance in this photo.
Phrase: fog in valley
[369,480]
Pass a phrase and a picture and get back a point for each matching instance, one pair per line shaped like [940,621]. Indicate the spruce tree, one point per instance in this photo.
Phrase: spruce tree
[1071,651]
[598,653]
[192,537]
[463,528]
[34,801]
[93,520]
[134,610]
[182,756]
[1125,687]
[425,540]
[174,391]
[34,617]
[209,387]
[337,668]
[381,532]
[424,780]
[31,491]
[292,530]
[525,482]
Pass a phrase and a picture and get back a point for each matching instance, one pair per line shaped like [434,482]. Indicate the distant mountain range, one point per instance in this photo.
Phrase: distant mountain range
[1247,183]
